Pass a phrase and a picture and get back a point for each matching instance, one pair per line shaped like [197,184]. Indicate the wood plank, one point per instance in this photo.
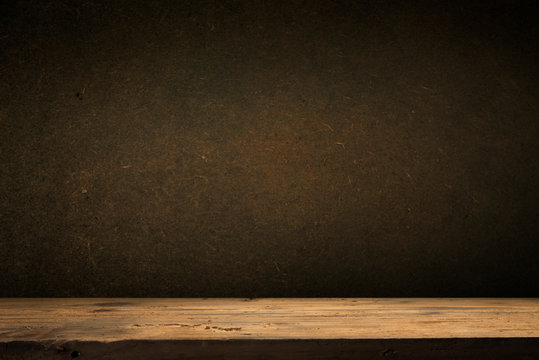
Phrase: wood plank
[108,320]
[364,349]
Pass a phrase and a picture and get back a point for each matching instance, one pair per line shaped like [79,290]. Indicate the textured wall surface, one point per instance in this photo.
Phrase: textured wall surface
[250,148]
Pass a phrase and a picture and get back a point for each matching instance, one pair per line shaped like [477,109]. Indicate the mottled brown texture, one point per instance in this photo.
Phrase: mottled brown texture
[250,148]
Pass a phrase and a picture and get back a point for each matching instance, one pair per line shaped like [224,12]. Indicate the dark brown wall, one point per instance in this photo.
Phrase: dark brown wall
[258,149]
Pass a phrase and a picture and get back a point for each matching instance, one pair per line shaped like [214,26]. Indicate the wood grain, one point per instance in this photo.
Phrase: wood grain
[107,320]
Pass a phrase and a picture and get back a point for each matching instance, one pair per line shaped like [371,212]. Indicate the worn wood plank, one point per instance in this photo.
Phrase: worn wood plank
[107,320]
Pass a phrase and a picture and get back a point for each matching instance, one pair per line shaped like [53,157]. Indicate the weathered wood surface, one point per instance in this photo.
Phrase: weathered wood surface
[107,320]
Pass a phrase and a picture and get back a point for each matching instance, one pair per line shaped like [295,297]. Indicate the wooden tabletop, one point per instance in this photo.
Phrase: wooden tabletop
[114,319]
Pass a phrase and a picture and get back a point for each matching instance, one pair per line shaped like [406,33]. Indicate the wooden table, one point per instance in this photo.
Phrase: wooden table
[269,328]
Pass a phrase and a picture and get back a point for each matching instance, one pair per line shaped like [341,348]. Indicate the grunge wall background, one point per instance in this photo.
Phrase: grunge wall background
[255,149]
